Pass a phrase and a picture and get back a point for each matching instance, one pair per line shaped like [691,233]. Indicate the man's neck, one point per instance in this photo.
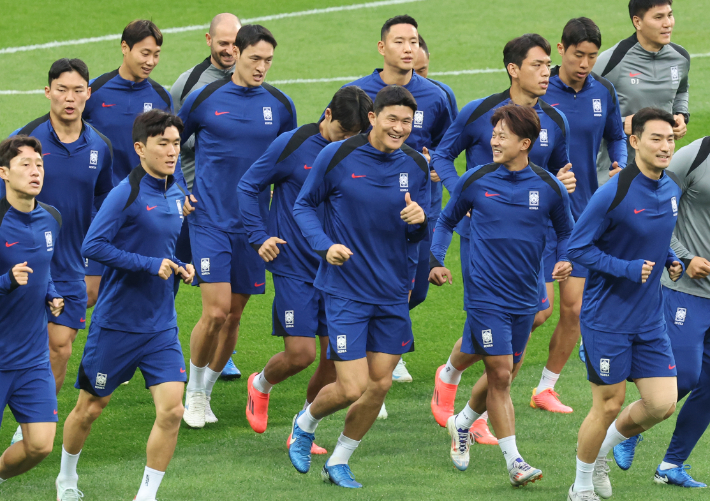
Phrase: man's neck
[647,44]
[154,174]
[237,80]
[520,97]
[19,201]
[517,164]
[323,131]
[375,143]
[127,75]
[395,76]
[577,86]
[67,132]
[649,171]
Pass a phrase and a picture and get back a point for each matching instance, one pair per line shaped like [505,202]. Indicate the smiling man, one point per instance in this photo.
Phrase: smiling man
[373,188]
[234,121]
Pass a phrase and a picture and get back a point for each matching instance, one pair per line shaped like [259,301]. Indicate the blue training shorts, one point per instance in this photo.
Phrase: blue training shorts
[75,298]
[30,393]
[490,332]
[112,357]
[298,308]
[355,328]
[549,258]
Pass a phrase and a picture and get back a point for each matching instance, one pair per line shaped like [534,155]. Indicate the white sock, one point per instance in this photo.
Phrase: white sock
[668,466]
[450,374]
[211,378]
[305,405]
[613,437]
[483,416]
[307,422]
[261,384]
[465,418]
[547,380]
[196,380]
[67,472]
[583,480]
[343,450]
[149,484]
[510,450]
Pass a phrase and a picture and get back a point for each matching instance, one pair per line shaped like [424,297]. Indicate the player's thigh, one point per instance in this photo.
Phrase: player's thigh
[168,398]
[39,436]
[216,298]
[238,303]
[212,254]
[390,330]
[571,292]
[352,376]
[608,397]
[487,332]
[381,365]
[348,324]
[609,355]
[60,336]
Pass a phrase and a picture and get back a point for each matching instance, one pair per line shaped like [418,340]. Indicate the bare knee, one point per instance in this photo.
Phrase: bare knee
[89,411]
[569,310]
[38,450]
[499,378]
[353,391]
[215,317]
[170,417]
[303,357]
[610,408]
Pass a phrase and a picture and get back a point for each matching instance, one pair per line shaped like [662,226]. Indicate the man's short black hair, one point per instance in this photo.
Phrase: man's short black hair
[517,49]
[423,46]
[139,30]
[394,95]
[520,120]
[350,106]
[65,65]
[10,148]
[638,122]
[640,7]
[153,123]
[252,34]
[405,19]
[580,30]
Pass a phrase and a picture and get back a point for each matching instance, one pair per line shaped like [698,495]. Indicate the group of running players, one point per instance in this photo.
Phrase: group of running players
[125,189]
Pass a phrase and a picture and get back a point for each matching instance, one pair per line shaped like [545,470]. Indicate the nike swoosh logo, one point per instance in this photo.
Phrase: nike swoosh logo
[544,300]
[306,167]
[556,104]
[218,113]
[638,211]
[671,368]
[150,208]
[8,244]
[55,412]
[182,370]
[492,194]
[104,105]
[518,354]
[355,177]
[45,154]
[405,344]
[634,74]
[259,285]
[82,320]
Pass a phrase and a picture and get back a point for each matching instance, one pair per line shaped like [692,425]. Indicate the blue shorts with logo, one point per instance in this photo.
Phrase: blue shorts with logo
[613,357]
[298,308]
[354,328]
[549,258]
[75,298]
[225,257]
[112,357]
[30,393]
[489,332]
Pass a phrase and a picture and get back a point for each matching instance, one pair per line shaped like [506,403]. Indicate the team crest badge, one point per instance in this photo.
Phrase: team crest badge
[533,200]
[674,206]
[680,316]
[289,318]
[403,180]
[597,105]
[342,344]
[205,266]
[418,119]
[543,137]
[49,240]
[487,338]
[268,116]
[93,159]
[100,381]
[147,107]
[675,76]
[604,366]
[178,202]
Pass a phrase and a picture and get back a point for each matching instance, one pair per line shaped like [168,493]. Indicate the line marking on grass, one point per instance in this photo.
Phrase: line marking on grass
[198,27]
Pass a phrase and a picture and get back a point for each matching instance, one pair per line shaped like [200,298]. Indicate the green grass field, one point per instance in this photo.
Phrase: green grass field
[406,456]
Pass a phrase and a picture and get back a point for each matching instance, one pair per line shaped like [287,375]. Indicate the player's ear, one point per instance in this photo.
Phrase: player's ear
[513,70]
[371,115]
[140,149]
[525,144]
[4,174]
[208,38]
[634,141]
[124,48]
[560,49]
[46,92]
[381,47]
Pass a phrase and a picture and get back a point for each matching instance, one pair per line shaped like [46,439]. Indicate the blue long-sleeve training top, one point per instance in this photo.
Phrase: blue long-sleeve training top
[233,127]
[510,214]
[30,237]
[363,191]
[472,131]
[593,114]
[77,178]
[285,165]
[135,229]
[629,220]
[113,107]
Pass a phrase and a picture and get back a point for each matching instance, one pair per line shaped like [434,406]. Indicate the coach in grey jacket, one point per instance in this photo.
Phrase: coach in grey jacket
[647,70]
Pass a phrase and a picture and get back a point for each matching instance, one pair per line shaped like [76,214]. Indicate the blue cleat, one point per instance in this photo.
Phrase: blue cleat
[340,475]
[677,476]
[230,370]
[625,451]
[300,451]
[582,353]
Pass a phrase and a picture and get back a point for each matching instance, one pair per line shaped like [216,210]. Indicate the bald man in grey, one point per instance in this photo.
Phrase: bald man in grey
[219,65]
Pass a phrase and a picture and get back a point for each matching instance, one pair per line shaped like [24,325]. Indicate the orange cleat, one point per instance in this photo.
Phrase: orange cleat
[547,401]
[315,448]
[442,402]
[257,406]
[481,434]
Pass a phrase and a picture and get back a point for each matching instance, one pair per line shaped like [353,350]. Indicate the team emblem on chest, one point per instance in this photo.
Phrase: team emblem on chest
[93,159]
[403,181]
[533,200]
[48,239]
[680,316]
[543,137]
[674,206]
[597,106]
[675,76]
[179,206]
[268,116]
[147,107]
[418,119]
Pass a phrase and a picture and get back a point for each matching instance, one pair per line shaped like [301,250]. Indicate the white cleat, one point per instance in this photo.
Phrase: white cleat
[460,444]
[600,478]
[17,437]
[195,405]
[581,496]
[400,373]
[67,493]
[522,473]
[383,412]
[209,415]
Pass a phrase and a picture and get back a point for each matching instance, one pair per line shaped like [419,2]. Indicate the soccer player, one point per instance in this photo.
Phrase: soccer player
[647,70]
[511,203]
[399,46]
[527,61]
[591,106]
[298,312]
[134,324]
[623,239]
[29,229]
[421,68]
[374,189]
[234,121]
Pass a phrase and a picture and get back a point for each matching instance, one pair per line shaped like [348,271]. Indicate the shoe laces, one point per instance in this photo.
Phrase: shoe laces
[464,437]
[601,467]
[587,496]
[72,494]
[197,404]
[683,472]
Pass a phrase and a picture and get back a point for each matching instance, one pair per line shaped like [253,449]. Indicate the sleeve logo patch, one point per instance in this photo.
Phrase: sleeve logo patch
[533,200]
[418,119]
[93,159]
[543,138]
[675,75]
[205,266]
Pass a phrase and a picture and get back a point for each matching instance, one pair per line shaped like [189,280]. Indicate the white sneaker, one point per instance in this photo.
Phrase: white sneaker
[67,493]
[17,436]
[581,496]
[600,478]
[460,444]
[195,405]
[522,473]
[383,412]
[209,415]
[400,373]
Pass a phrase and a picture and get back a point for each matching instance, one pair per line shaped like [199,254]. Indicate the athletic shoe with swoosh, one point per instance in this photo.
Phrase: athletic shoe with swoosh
[340,475]
[230,370]
[677,476]
[625,451]
[547,401]
[400,373]
[300,451]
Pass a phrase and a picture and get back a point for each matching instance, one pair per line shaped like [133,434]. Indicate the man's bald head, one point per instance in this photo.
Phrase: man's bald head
[221,38]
